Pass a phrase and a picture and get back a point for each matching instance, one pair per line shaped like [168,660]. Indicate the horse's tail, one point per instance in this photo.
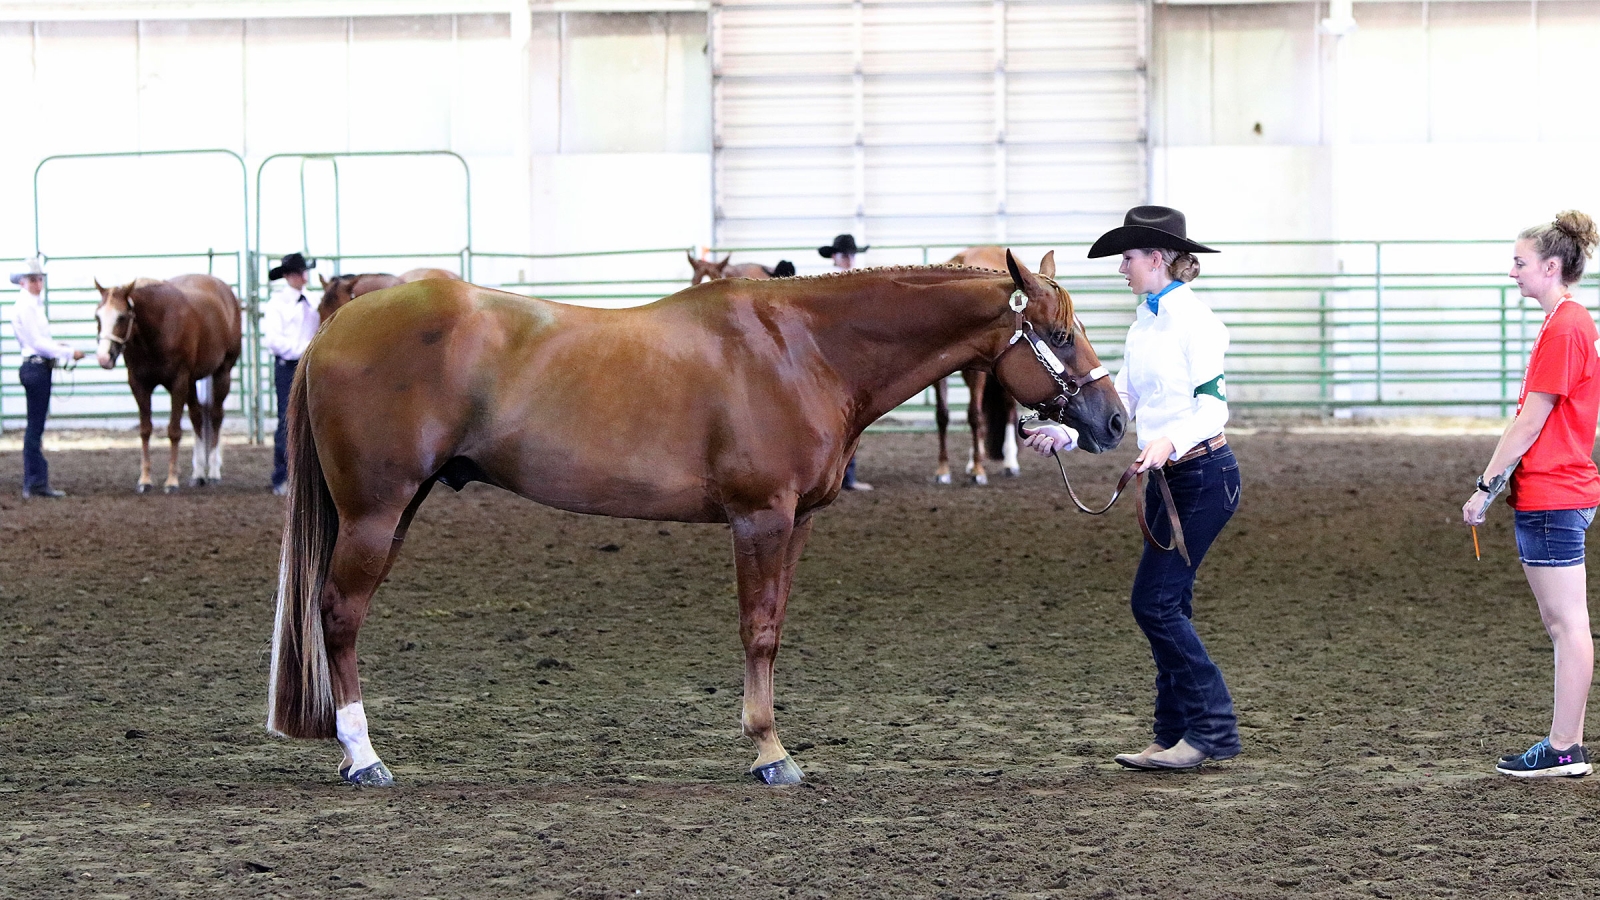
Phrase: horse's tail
[300,693]
[997,416]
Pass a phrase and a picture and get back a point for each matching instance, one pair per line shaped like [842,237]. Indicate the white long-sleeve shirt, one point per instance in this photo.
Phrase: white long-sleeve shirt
[1171,380]
[288,323]
[32,329]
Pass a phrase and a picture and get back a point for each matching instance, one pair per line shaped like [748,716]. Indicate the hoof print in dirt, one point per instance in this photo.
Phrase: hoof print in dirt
[784,771]
[375,775]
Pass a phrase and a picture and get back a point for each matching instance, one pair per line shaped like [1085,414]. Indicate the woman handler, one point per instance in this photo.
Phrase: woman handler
[1556,488]
[1172,384]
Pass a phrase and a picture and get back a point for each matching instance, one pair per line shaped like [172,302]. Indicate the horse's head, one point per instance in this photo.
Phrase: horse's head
[707,269]
[114,322]
[335,293]
[1049,365]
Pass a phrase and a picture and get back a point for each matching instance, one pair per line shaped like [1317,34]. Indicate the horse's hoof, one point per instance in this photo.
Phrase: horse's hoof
[784,771]
[197,482]
[170,489]
[142,489]
[942,479]
[375,775]
[1013,471]
[980,479]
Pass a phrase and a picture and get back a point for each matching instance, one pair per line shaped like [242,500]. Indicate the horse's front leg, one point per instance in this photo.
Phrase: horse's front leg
[766,548]
[941,418]
[179,392]
[141,396]
[976,419]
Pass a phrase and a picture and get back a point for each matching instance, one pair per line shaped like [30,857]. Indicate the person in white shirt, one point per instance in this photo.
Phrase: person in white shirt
[1172,385]
[288,323]
[843,252]
[40,354]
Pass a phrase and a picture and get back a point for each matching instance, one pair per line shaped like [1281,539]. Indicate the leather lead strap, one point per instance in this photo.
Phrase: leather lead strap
[1133,474]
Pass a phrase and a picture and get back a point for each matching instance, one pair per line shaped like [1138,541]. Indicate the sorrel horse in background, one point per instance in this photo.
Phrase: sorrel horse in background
[735,401]
[711,270]
[341,289]
[183,335]
[991,413]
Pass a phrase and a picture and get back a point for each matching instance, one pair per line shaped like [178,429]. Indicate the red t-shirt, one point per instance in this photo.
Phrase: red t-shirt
[1558,472]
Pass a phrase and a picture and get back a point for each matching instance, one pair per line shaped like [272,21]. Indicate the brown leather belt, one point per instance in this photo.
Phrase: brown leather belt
[1210,445]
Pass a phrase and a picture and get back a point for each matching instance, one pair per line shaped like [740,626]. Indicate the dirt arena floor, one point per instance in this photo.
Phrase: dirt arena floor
[559,698]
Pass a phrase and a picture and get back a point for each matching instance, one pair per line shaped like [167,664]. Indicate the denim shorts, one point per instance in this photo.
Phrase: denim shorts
[1552,537]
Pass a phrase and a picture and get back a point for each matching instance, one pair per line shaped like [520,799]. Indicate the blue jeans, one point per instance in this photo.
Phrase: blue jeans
[1552,537]
[283,380]
[1192,702]
[35,377]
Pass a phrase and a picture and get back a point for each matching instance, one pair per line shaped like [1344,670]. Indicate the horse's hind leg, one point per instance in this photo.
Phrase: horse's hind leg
[179,392]
[363,554]
[1013,467]
[977,421]
[941,418]
[199,400]
[766,548]
[220,383]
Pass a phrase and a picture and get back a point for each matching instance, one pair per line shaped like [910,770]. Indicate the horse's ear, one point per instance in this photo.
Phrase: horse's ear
[724,263]
[322,281]
[1025,281]
[99,288]
[1047,266]
[690,255]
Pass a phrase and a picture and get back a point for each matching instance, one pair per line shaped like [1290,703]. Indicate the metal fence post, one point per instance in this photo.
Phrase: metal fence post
[1324,377]
[1377,325]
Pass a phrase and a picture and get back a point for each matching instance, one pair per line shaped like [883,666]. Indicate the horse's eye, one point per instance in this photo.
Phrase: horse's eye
[1061,338]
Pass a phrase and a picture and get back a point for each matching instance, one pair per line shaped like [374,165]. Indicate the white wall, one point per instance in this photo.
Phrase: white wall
[1437,120]
[594,134]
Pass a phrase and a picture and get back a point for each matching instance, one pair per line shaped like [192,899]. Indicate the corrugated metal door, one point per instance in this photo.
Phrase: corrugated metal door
[927,121]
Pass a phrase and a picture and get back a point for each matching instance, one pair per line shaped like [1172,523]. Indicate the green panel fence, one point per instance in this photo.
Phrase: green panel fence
[1318,328]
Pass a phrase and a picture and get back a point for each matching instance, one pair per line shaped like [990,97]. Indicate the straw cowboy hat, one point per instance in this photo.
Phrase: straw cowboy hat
[292,263]
[35,267]
[844,243]
[1148,228]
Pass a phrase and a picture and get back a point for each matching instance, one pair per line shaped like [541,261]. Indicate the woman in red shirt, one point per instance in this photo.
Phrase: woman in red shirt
[1556,487]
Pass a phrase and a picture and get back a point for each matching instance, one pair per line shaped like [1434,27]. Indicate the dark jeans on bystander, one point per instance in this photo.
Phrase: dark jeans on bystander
[35,378]
[1192,702]
[283,380]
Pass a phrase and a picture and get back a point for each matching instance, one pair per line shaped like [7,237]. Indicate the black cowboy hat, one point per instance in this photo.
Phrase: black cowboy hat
[844,243]
[1148,228]
[292,263]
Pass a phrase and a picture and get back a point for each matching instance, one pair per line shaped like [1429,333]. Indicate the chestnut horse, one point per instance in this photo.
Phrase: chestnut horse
[991,413]
[183,335]
[424,274]
[735,401]
[711,270]
[341,289]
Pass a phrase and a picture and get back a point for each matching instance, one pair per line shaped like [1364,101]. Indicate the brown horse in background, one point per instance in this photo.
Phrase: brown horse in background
[711,270]
[991,413]
[182,334]
[425,274]
[341,289]
[736,401]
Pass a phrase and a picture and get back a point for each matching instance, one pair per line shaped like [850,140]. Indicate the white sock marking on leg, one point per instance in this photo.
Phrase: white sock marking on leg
[350,722]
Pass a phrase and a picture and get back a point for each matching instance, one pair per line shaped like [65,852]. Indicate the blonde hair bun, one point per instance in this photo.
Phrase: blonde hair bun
[1570,238]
